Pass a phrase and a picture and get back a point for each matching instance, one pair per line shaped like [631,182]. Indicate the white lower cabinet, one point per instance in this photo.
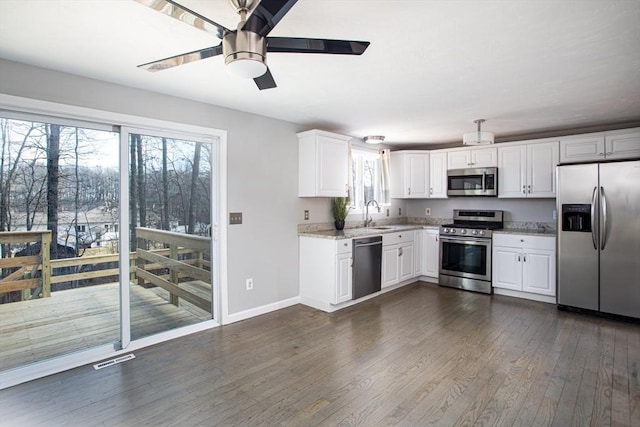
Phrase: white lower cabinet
[344,278]
[524,263]
[326,271]
[430,253]
[397,258]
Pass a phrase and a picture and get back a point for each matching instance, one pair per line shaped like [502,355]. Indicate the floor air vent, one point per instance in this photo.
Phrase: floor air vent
[115,361]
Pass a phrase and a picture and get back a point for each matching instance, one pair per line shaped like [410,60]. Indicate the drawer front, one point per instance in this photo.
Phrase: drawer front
[525,241]
[344,246]
[509,240]
[397,237]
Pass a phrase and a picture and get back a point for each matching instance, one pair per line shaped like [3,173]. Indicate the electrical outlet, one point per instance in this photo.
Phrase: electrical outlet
[555,214]
[249,284]
[235,218]
[306,215]
[427,211]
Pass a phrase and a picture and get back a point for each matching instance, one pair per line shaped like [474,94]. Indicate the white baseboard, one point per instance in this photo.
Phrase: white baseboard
[525,295]
[264,309]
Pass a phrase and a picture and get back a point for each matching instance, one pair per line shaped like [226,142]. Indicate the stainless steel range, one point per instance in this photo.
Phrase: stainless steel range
[465,250]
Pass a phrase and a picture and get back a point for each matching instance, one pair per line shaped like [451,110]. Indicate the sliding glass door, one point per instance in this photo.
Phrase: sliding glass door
[171,210]
[59,264]
[108,235]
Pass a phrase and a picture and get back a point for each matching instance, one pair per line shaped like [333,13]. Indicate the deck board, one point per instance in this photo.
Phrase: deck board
[78,319]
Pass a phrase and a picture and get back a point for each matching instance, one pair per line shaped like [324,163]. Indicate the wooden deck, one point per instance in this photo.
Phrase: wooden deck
[78,319]
[422,355]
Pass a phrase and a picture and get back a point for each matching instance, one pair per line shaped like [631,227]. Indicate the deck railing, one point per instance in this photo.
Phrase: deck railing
[24,278]
[162,258]
[185,260]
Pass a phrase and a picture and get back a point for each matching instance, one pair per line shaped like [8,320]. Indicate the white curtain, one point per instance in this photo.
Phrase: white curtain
[385,156]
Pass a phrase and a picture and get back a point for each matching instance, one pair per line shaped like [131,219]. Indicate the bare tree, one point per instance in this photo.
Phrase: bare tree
[142,193]
[132,190]
[193,199]
[6,164]
[165,187]
[53,158]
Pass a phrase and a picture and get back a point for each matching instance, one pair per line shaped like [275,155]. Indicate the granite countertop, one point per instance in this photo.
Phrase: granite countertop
[350,233]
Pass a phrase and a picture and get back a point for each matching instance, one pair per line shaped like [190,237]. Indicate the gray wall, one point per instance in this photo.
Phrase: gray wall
[265,246]
[520,210]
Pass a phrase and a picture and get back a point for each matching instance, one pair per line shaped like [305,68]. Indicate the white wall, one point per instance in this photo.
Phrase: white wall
[262,173]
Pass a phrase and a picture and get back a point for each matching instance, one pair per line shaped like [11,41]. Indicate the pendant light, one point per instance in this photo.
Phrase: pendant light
[478,137]
[373,139]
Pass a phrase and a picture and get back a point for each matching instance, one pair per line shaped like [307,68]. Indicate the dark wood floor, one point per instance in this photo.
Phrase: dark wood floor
[418,356]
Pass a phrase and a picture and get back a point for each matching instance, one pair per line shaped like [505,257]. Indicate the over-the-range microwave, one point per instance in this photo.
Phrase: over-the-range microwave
[472,182]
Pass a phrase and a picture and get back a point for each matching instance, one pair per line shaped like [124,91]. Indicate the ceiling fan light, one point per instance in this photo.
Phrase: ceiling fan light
[373,139]
[246,68]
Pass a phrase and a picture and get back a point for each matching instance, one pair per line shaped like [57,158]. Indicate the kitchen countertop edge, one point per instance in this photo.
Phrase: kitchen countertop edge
[352,233]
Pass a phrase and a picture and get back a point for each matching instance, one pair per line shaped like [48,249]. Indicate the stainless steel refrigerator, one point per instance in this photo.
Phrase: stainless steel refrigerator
[598,250]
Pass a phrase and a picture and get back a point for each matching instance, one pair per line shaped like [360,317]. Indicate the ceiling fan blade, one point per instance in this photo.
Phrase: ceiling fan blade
[185,58]
[266,15]
[302,45]
[265,81]
[181,13]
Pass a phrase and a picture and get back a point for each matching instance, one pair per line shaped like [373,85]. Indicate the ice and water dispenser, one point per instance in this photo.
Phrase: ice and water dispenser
[576,218]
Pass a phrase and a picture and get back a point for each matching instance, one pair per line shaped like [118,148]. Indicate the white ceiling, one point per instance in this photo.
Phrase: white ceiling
[432,67]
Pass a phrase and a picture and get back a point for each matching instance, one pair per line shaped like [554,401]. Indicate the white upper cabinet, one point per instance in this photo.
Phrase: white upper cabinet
[323,162]
[527,170]
[409,174]
[472,158]
[611,145]
[622,146]
[438,175]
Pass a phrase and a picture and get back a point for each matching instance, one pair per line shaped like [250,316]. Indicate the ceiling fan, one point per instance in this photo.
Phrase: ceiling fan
[245,49]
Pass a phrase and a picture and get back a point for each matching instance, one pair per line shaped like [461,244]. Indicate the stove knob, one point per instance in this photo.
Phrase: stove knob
[445,230]
[453,230]
[474,232]
[482,232]
[463,231]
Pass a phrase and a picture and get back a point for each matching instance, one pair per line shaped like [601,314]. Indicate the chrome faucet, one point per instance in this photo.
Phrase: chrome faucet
[367,219]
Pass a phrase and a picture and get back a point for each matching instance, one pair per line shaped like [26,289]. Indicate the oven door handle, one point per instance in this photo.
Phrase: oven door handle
[478,242]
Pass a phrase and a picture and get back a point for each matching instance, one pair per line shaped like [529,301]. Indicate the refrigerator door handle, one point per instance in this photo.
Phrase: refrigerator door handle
[594,200]
[605,219]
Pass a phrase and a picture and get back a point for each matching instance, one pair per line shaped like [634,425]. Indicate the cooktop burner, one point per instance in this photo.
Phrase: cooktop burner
[473,223]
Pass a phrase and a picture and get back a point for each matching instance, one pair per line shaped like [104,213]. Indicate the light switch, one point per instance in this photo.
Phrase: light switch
[235,218]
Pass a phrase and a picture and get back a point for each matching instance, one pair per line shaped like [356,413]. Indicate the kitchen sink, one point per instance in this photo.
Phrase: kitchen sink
[381,228]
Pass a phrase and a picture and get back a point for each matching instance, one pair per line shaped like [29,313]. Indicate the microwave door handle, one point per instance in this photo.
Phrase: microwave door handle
[484,182]
[594,201]
[605,219]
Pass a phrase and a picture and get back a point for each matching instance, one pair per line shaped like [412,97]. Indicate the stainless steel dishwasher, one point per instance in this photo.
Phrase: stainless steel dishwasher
[367,266]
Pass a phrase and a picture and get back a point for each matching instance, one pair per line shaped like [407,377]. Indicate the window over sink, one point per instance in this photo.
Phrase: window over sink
[367,179]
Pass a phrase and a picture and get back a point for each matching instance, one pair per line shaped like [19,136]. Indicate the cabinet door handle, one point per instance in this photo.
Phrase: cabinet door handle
[518,257]
[608,153]
[409,190]
[400,252]
[523,190]
[436,237]
[431,190]
[529,188]
[524,258]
